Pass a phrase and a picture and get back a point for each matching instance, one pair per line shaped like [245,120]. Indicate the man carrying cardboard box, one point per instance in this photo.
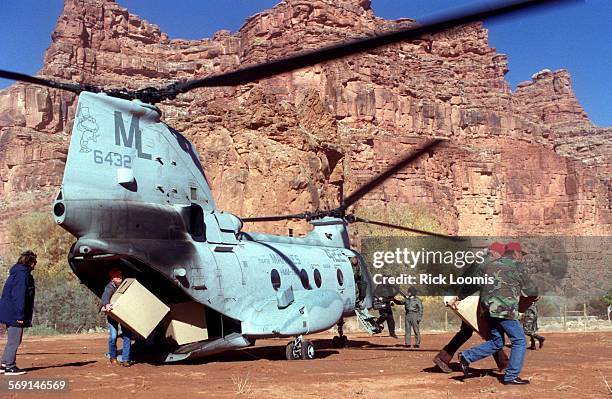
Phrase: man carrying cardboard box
[113,326]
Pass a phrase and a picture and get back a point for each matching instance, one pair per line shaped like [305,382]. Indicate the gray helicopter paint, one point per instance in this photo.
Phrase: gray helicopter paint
[118,201]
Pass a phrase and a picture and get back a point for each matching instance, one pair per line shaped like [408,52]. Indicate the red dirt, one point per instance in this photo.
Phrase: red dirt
[569,365]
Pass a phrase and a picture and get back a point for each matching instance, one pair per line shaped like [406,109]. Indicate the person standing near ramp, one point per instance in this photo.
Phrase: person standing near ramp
[385,310]
[414,314]
[17,308]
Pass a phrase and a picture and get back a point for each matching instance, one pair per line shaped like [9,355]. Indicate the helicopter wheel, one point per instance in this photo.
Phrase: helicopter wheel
[290,352]
[308,351]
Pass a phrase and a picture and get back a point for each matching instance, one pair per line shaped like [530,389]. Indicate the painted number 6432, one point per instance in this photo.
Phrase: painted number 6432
[113,158]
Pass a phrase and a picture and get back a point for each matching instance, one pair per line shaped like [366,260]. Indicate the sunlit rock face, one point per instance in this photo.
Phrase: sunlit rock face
[528,161]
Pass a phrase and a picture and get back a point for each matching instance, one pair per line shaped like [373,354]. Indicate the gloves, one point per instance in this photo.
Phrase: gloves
[449,300]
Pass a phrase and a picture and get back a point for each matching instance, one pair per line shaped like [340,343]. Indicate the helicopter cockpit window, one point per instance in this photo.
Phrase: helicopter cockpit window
[317,278]
[340,277]
[304,278]
[275,279]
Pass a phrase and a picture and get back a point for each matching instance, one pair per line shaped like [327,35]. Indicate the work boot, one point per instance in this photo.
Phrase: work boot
[465,365]
[541,341]
[501,359]
[113,360]
[442,360]
[517,381]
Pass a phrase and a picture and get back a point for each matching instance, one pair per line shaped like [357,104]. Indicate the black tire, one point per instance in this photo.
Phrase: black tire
[308,352]
[337,342]
[344,341]
[289,351]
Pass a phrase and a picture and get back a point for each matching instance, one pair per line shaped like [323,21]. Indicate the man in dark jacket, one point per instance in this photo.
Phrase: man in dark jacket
[385,309]
[16,308]
[113,326]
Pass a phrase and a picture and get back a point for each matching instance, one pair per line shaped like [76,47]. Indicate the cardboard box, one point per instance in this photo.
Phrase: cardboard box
[186,323]
[137,308]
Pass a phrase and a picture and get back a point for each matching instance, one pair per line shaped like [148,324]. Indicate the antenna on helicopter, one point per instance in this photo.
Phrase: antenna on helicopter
[253,73]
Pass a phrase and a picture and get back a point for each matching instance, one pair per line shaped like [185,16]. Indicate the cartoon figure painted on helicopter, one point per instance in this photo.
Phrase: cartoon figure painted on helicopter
[87,125]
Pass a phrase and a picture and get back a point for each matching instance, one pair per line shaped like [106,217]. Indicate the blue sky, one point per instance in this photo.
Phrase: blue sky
[577,37]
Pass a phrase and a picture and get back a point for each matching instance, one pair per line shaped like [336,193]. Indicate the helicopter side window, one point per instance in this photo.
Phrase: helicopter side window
[317,278]
[196,223]
[275,279]
[340,277]
[305,280]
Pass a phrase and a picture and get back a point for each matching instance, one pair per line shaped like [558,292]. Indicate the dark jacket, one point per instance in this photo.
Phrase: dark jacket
[17,302]
[109,290]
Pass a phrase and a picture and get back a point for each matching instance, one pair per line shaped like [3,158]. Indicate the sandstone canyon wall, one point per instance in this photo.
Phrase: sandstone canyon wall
[527,161]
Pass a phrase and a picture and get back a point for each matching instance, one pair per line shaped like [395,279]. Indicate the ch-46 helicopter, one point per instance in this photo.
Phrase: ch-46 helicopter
[135,195]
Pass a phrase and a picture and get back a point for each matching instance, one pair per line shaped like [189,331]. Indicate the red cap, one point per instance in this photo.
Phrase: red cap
[514,246]
[497,247]
[115,272]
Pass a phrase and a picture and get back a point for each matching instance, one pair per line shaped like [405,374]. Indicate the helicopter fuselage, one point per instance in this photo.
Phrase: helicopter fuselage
[135,195]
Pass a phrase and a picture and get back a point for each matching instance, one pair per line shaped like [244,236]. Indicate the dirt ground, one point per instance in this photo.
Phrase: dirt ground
[570,365]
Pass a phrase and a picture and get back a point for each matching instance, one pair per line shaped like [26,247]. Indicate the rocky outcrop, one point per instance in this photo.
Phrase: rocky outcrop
[516,162]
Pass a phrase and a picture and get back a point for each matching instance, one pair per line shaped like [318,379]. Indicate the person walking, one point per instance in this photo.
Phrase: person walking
[501,301]
[444,357]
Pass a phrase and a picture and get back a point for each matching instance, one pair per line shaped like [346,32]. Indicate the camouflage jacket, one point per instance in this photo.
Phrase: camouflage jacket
[501,299]
[530,320]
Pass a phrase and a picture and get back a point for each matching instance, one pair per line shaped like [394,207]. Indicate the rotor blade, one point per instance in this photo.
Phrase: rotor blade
[274,218]
[72,87]
[404,228]
[268,69]
[378,180]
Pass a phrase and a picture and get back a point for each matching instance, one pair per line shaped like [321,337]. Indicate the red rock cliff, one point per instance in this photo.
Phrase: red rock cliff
[522,162]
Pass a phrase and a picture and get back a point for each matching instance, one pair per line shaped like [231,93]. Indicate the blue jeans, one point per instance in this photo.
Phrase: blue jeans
[13,340]
[514,330]
[113,326]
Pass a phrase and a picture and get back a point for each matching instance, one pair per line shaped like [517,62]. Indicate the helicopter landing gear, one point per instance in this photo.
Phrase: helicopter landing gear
[299,348]
[340,340]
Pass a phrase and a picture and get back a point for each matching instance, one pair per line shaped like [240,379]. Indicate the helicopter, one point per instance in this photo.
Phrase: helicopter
[135,194]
